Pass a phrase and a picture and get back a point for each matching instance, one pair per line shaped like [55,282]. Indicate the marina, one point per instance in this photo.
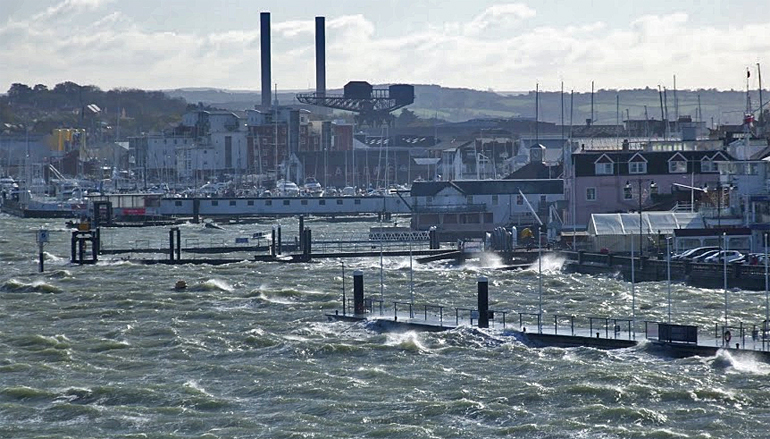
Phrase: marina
[386,257]
[226,342]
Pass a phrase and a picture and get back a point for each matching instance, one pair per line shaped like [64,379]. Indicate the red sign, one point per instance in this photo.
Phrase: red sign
[134,212]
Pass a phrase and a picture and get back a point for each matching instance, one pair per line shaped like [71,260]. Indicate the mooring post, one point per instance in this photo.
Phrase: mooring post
[171,245]
[432,238]
[196,210]
[358,292]
[40,252]
[483,293]
[280,250]
[73,246]
[272,242]
[81,250]
[301,233]
[98,241]
[178,244]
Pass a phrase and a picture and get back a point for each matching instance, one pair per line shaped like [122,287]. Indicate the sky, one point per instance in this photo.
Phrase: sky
[478,44]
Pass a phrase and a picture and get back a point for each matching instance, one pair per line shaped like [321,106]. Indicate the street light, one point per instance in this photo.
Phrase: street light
[720,193]
[653,191]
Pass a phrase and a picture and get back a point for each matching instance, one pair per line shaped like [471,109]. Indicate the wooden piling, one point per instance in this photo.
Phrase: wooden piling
[358,292]
[483,301]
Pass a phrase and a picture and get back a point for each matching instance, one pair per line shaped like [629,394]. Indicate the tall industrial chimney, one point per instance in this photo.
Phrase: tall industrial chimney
[320,56]
[264,39]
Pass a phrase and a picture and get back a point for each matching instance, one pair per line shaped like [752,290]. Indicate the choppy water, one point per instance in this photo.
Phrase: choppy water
[113,351]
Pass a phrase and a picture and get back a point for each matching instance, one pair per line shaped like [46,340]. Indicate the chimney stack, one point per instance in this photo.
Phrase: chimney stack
[320,56]
[264,39]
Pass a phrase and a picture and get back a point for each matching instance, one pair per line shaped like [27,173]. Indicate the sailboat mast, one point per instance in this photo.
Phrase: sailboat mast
[761,102]
[537,113]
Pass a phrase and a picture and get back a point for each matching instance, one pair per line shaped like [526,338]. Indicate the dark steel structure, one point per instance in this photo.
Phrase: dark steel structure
[264,48]
[373,106]
[320,56]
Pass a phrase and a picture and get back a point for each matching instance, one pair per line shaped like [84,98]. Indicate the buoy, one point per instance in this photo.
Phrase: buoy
[180,285]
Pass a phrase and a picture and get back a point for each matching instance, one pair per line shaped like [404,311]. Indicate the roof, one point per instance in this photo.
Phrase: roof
[535,170]
[652,222]
[657,162]
[488,187]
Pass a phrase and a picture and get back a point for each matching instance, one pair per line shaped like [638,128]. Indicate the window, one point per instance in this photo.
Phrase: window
[339,201]
[357,202]
[488,218]
[250,202]
[591,194]
[677,164]
[322,202]
[637,168]
[542,200]
[677,167]
[215,203]
[303,202]
[268,202]
[286,202]
[707,165]
[494,200]
[470,199]
[178,203]
[603,168]
[232,202]
[519,200]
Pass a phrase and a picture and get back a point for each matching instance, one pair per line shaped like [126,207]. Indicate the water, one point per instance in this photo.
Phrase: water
[113,351]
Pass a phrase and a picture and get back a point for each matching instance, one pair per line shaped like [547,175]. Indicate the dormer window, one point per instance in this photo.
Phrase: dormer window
[707,165]
[637,165]
[677,164]
[604,166]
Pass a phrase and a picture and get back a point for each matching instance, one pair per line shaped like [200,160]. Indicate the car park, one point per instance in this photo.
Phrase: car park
[703,256]
[732,256]
[693,252]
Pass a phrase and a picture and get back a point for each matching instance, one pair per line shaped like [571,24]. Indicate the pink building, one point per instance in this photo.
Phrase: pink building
[617,180]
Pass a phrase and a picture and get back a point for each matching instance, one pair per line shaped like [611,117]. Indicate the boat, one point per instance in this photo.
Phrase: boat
[23,204]
[313,187]
[287,188]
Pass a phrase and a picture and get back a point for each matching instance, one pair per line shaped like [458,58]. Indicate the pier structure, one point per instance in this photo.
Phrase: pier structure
[197,208]
[601,332]
[657,269]
[274,247]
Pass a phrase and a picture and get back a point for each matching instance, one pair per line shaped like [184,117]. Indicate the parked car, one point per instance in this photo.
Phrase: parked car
[704,255]
[732,256]
[693,252]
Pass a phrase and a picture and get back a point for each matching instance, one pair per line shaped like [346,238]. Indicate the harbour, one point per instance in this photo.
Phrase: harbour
[453,237]
[129,353]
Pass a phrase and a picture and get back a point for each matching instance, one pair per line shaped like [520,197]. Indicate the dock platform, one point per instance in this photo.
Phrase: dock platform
[566,331]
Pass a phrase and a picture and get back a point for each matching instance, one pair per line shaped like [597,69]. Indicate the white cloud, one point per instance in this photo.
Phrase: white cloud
[86,41]
[67,7]
[499,16]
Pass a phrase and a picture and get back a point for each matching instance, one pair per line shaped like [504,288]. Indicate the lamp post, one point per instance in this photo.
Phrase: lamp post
[668,274]
[653,191]
[767,298]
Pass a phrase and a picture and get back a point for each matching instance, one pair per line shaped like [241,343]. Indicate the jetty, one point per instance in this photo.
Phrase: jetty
[601,332]
[657,269]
